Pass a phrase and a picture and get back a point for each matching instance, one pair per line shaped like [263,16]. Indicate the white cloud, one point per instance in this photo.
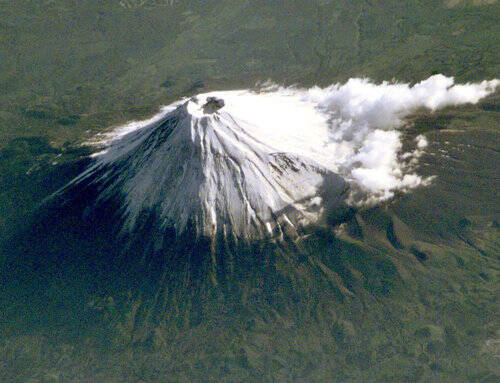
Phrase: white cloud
[364,120]
[351,129]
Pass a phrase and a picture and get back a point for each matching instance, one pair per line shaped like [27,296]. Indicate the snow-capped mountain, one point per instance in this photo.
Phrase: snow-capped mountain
[253,164]
[199,165]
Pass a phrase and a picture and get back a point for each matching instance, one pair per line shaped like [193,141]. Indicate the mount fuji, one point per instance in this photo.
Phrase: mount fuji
[200,167]
[267,163]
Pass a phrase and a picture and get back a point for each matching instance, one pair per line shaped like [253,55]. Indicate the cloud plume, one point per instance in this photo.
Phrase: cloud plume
[353,129]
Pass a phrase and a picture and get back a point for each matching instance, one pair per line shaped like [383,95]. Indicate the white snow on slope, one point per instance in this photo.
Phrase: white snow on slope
[259,163]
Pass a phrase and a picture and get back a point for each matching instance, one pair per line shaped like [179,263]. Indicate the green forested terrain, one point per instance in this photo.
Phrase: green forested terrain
[407,293]
[71,66]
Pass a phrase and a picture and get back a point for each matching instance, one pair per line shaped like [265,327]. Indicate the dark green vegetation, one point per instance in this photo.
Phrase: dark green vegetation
[407,292]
